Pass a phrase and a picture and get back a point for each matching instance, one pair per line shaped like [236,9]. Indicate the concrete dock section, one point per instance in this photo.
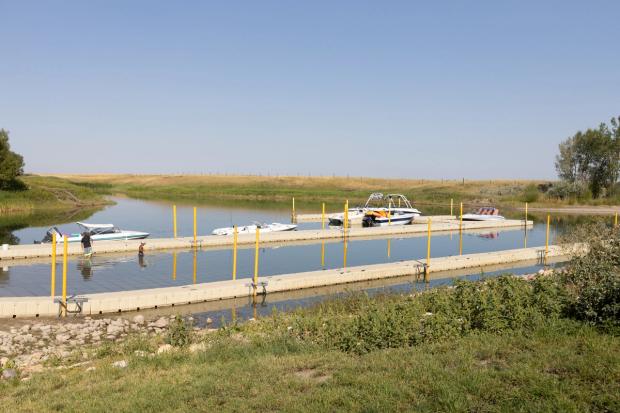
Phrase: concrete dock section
[16,252]
[114,302]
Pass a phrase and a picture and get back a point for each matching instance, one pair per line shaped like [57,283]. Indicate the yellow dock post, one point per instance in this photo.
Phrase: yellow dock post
[194,272]
[616,220]
[65,247]
[323,216]
[174,220]
[526,214]
[428,251]
[461,218]
[451,205]
[53,280]
[235,237]
[345,224]
[174,265]
[293,214]
[256,260]
[195,228]
[344,254]
[547,238]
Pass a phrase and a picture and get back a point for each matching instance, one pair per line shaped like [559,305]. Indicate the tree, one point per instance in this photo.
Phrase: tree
[11,163]
[591,158]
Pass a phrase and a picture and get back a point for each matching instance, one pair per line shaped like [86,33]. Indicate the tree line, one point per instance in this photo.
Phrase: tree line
[11,164]
[588,163]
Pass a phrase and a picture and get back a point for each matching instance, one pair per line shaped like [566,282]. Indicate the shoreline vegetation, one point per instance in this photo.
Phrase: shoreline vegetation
[49,193]
[314,190]
[548,342]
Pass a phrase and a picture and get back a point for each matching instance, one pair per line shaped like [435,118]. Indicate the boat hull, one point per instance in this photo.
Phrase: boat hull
[107,237]
[251,229]
[478,217]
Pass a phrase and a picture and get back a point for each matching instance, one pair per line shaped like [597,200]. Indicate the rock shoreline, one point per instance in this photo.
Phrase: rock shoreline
[37,345]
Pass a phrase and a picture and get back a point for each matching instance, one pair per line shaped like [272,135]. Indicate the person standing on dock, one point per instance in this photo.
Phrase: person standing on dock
[87,244]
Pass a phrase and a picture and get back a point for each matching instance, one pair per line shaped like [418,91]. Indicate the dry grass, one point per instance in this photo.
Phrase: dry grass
[280,188]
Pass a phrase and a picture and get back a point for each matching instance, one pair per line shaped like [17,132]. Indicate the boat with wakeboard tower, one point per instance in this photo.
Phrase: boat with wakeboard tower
[379,210]
[251,229]
[98,232]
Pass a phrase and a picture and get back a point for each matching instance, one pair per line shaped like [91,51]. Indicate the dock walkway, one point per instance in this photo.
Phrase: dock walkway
[419,227]
[114,302]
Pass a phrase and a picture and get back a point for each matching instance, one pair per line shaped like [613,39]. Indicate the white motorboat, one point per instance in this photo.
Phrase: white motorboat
[98,232]
[397,212]
[484,214]
[251,229]
[397,205]
[356,215]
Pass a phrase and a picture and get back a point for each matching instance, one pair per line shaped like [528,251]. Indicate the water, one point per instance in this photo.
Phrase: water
[117,272]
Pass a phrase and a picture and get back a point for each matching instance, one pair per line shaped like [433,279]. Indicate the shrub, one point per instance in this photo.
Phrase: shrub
[180,332]
[499,304]
[530,193]
[570,190]
[593,280]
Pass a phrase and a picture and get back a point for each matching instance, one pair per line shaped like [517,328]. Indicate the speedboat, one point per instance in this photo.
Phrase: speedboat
[251,229]
[484,214]
[98,232]
[397,206]
[397,212]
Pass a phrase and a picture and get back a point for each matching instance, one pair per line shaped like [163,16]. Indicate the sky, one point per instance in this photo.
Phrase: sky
[411,89]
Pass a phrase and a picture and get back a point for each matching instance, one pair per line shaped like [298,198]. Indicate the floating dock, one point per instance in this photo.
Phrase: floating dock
[419,227]
[135,300]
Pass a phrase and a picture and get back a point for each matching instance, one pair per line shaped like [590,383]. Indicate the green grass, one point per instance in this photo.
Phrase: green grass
[502,345]
[49,193]
[562,366]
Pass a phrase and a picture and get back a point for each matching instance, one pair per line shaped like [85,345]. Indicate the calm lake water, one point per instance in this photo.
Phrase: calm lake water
[157,269]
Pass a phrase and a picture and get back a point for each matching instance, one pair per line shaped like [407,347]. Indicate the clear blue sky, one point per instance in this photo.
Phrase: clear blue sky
[393,89]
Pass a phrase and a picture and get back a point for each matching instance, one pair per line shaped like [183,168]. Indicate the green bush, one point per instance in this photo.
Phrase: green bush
[530,193]
[180,333]
[499,304]
[593,280]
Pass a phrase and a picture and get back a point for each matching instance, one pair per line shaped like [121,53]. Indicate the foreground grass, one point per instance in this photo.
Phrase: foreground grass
[561,366]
